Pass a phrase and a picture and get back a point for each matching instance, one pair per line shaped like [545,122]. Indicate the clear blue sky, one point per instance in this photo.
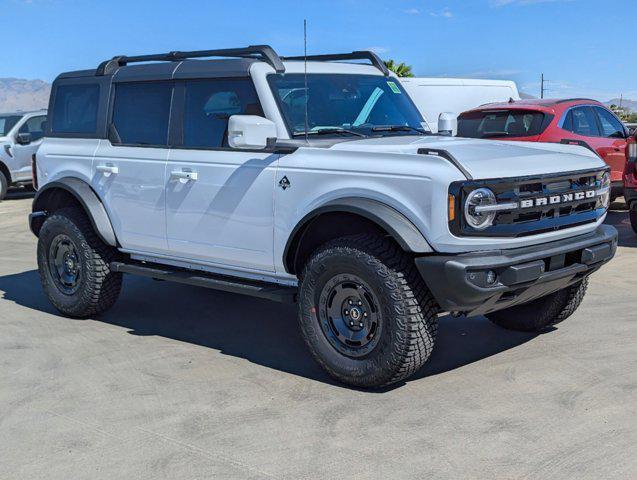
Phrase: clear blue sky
[585,47]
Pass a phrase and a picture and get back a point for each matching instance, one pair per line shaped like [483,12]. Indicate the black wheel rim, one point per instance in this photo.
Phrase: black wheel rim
[349,315]
[64,264]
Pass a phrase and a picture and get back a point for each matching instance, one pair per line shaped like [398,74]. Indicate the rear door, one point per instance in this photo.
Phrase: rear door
[129,168]
[23,153]
[219,201]
[613,143]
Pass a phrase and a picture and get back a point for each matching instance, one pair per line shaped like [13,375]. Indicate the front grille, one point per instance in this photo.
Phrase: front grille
[539,215]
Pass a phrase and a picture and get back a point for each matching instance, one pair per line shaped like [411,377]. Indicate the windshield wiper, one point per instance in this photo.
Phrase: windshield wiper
[328,131]
[399,128]
[494,134]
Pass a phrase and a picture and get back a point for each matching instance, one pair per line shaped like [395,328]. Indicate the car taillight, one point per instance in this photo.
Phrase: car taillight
[34,171]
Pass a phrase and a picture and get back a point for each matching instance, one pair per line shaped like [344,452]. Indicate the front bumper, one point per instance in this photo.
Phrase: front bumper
[460,282]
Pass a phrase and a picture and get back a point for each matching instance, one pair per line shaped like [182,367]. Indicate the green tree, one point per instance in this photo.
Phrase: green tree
[401,69]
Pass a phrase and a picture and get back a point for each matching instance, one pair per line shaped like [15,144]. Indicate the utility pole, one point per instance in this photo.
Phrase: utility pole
[542,86]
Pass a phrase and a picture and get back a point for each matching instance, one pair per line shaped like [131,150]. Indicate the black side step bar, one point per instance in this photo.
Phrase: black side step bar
[270,291]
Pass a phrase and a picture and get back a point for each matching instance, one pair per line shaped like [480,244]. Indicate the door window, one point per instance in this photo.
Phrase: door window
[209,104]
[141,113]
[34,126]
[611,126]
[583,122]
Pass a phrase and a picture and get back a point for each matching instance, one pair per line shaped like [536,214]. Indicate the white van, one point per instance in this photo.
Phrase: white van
[434,96]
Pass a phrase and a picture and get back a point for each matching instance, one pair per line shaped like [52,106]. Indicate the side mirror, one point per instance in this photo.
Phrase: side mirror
[250,132]
[23,138]
[447,124]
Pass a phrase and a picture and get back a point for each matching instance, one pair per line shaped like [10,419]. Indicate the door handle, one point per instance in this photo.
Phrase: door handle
[184,176]
[107,170]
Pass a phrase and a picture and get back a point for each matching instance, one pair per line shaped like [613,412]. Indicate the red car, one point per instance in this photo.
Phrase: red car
[630,181]
[578,121]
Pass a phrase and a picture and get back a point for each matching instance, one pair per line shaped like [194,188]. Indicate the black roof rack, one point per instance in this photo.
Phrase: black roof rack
[564,100]
[262,52]
[360,55]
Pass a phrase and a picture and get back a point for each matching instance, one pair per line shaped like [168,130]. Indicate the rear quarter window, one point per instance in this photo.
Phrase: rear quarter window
[75,109]
[501,124]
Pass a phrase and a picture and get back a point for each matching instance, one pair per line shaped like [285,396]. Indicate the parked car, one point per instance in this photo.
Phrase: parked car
[20,136]
[219,173]
[575,121]
[434,96]
[630,181]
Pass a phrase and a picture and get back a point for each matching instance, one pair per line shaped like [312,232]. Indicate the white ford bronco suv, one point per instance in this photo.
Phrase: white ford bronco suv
[20,136]
[309,180]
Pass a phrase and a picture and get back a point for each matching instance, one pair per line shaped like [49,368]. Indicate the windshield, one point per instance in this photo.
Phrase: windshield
[7,122]
[355,105]
[501,123]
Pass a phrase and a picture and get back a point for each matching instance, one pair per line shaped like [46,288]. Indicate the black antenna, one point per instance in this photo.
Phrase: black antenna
[307,123]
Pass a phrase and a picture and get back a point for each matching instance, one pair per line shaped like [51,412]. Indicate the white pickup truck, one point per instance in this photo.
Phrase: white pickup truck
[20,136]
[312,182]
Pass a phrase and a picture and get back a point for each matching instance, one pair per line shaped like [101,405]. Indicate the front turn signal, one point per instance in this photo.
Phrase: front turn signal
[452,208]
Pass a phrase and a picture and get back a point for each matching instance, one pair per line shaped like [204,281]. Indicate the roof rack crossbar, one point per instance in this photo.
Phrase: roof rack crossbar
[359,55]
[262,52]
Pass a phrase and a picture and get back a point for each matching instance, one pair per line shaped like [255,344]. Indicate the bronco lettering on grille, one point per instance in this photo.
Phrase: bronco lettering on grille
[556,199]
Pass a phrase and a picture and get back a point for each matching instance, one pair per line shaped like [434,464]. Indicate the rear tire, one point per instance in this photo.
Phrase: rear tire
[633,218]
[542,313]
[365,312]
[4,186]
[74,265]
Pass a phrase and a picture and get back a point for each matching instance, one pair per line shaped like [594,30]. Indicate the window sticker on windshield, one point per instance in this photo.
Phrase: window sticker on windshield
[394,87]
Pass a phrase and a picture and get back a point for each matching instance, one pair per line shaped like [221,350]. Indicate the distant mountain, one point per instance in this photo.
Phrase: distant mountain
[630,105]
[526,96]
[20,94]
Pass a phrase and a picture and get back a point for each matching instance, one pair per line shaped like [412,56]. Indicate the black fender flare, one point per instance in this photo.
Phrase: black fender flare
[87,198]
[399,227]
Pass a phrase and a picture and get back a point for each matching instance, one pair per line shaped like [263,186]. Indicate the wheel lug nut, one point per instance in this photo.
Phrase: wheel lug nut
[360,303]
[360,325]
[365,314]
[346,312]
[349,301]
[351,324]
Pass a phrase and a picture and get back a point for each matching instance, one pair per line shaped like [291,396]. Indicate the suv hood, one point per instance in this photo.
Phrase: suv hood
[483,159]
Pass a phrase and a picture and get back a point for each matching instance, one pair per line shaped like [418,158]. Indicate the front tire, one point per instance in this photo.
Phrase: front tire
[542,313]
[4,186]
[74,265]
[365,312]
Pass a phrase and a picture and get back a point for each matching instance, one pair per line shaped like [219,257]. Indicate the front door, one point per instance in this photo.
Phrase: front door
[613,143]
[219,201]
[24,153]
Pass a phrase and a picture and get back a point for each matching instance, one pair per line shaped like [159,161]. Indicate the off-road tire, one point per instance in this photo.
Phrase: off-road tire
[633,218]
[99,287]
[542,313]
[4,186]
[408,311]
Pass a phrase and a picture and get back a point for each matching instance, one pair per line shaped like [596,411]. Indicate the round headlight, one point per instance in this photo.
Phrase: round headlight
[481,197]
[604,198]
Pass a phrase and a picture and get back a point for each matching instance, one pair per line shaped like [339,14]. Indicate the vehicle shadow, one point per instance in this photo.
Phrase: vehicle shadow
[260,331]
[618,217]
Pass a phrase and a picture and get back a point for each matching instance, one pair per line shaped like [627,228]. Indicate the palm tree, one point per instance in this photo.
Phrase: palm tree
[401,69]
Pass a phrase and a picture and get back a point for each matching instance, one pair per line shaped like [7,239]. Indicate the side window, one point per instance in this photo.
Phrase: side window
[611,127]
[585,122]
[34,126]
[75,109]
[209,104]
[141,112]
[568,121]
